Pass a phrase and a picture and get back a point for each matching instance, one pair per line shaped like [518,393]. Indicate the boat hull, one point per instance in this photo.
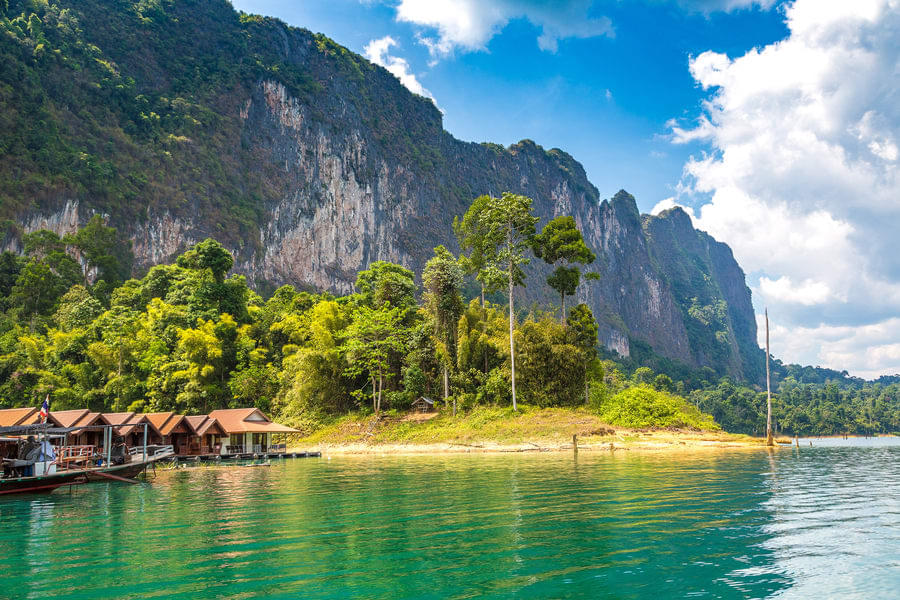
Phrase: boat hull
[126,470]
[48,483]
[41,485]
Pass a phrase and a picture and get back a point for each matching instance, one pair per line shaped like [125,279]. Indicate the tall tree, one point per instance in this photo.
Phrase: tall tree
[208,254]
[387,282]
[582,329]
[561,243]
[371,337]
[39,244]
[471,234]
[509,228]
[442,278]
[102,249]
[10,267]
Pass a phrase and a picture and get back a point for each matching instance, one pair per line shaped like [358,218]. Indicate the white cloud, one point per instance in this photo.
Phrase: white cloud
[866,351]
[802,176]
[378,51]
[664,205]
[807,293]
[711,6]
[470,24]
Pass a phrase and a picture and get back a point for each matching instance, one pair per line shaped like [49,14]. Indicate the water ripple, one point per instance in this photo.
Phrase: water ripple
[820,522]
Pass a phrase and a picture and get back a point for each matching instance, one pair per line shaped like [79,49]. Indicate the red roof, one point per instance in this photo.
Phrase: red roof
[136,422]
[117,418]
[19,416]
[90,418]
[202,424]
[164,423]
[159,419]
[176,424]
[67,418]
[247,420]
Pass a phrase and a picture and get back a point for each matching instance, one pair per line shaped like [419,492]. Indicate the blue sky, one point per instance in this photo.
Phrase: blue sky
[774,123]
[605,100]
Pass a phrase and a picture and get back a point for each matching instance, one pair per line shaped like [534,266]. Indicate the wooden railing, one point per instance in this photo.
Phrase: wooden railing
[75,455]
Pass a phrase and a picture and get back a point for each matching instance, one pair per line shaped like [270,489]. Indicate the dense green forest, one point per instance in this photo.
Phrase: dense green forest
[130,104]
[190,337]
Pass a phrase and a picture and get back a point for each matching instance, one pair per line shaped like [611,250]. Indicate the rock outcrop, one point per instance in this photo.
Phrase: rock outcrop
[328,163]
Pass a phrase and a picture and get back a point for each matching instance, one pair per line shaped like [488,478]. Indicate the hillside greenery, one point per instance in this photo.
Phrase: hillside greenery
[139,110]
[126,104]
[190,337]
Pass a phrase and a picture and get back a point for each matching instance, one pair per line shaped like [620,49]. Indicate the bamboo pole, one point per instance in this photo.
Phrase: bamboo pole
[769,438]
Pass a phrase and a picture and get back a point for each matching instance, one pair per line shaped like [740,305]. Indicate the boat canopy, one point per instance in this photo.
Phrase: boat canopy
[44,428]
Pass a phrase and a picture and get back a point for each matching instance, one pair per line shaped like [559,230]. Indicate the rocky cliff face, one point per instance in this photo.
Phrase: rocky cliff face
[338,165]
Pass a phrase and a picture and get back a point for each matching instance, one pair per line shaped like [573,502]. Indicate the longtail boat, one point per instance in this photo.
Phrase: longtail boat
[99,466]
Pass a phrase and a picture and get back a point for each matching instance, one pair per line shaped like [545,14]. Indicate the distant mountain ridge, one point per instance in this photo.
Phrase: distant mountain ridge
[184,119]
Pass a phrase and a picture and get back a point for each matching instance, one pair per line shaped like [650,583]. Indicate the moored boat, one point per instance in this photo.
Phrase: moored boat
[47,475]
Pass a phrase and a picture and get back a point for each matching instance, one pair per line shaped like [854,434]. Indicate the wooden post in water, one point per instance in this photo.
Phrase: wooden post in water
[575,442]
[769,439]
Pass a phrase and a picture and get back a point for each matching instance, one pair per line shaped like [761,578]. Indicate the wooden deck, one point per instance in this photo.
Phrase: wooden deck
[245,456]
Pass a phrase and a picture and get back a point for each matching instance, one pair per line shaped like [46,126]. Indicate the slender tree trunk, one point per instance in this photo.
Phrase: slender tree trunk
[512,346]
[484,324]
[446,385]
[374,397]
[769,440]
[447,390]
[563,318]
[380,388]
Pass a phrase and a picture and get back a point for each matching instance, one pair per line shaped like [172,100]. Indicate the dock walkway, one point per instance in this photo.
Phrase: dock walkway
[245,456]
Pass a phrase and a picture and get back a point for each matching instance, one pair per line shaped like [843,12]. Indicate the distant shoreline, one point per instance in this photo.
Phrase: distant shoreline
[848,436]
[502,431]
[547,440]
[686,444]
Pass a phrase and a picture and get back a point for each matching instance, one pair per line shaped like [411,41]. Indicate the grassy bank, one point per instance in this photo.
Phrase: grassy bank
[501,429]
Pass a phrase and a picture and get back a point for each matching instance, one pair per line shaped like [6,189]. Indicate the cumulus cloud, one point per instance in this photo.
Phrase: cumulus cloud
[378,51]
[664,205]
[807,293]
[873,348]
[801,177]
[470,24]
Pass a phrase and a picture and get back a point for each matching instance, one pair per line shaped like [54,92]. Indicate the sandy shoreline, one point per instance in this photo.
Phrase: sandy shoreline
[664,441]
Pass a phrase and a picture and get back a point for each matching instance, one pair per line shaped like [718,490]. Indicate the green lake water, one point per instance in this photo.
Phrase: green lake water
[821,522]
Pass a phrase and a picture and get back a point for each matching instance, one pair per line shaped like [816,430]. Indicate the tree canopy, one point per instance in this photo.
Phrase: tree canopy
[561,242]
[192,337]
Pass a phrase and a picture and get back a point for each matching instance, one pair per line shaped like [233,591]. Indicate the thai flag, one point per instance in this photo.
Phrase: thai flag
[45,409]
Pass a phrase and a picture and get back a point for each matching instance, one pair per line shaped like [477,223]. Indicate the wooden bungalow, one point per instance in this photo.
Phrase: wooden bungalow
[248,429]
[174,429]
[207,435]
[423,405]
[10,417]
[80,417]
[133,431]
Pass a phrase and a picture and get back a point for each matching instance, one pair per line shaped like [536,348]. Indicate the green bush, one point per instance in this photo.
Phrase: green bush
[642,406]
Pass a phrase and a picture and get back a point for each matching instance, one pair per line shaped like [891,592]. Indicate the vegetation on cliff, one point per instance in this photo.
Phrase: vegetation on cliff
[190,337]
[183,120]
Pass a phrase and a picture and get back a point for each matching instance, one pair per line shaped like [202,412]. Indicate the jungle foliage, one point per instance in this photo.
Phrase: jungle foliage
[191,337]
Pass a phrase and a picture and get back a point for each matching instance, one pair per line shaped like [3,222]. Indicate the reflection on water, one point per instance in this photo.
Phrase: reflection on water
[813,522]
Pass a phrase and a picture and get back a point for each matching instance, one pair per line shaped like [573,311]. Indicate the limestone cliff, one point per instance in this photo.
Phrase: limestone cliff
[310,162]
